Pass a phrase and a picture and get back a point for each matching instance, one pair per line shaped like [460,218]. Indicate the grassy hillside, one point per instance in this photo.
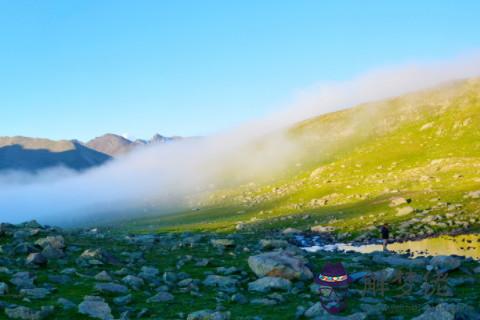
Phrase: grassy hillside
[423,147]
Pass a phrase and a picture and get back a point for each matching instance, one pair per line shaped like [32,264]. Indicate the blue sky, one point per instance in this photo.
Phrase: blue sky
[78,69]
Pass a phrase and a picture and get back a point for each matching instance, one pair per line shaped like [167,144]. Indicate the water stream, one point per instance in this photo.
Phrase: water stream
[461,245]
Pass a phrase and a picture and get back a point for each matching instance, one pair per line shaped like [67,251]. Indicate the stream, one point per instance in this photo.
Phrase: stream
[467,245]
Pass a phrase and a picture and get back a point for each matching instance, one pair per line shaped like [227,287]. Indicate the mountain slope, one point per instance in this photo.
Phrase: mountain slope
[423,146]
[30,154]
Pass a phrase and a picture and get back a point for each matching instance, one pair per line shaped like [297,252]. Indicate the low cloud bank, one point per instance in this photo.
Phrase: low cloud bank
[160,177]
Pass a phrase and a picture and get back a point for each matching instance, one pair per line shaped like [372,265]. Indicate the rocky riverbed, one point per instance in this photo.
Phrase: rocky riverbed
[50,273]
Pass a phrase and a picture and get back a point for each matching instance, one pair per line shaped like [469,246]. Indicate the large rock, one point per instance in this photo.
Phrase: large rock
[25,313]
[92,256]
[57,242]
[445,263]
[404,211]
[280,264]
[95,307]
[266,284]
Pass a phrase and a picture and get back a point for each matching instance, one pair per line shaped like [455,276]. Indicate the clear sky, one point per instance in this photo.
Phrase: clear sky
[78,69]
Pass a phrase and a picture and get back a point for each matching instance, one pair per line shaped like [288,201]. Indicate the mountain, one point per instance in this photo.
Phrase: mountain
[31,154]
[412,161]
[115,145]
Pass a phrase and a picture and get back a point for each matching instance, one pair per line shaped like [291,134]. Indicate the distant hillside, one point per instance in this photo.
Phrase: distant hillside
[31,154]
[115,145]
[405,160]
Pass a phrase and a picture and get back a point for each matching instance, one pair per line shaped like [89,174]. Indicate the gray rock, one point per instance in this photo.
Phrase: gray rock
[445,263]
[223,243]
[133,281]
[111,287]
[50,252]
[23,280]
[57,242]
[267,244]
[103,276]
[222,282]
[169,277]
[35,293]
[404,211]
[123,300]
[264,301]
[208,315]
[95,307]
[25,313]
[161,297]
[149,273]
[266,284]
[280,264]
[36,259]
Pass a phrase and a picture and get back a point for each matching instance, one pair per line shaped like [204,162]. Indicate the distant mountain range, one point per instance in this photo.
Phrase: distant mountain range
[34,154]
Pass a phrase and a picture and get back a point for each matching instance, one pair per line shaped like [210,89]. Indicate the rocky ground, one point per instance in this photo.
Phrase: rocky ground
[50,273]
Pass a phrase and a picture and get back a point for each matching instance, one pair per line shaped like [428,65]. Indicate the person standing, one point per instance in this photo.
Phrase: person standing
[385,231]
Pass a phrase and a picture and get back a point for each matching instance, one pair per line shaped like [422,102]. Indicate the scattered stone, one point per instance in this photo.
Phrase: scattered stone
[396,201]
[25,313]
[404,211]
[35,293]
[111,287]
[36,259]
[134,282]
[123,300]
[208,315]
[223,243]
[445,263]
[222,282]
[266,284]
[322,229]
[161,297]
[95,307]
[103,276]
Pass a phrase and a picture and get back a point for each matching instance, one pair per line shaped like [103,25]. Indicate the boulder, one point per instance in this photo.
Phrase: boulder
[223,243]
[445,263]
[134,282]
[161,297]
[280,264]
[404,211]
[222,282]
[95,307]
[266,284]
[57,242]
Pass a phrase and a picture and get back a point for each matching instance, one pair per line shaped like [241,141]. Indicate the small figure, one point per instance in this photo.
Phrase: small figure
[385,231]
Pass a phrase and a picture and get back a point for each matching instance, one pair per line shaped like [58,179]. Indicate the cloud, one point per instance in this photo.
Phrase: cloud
[159,178]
